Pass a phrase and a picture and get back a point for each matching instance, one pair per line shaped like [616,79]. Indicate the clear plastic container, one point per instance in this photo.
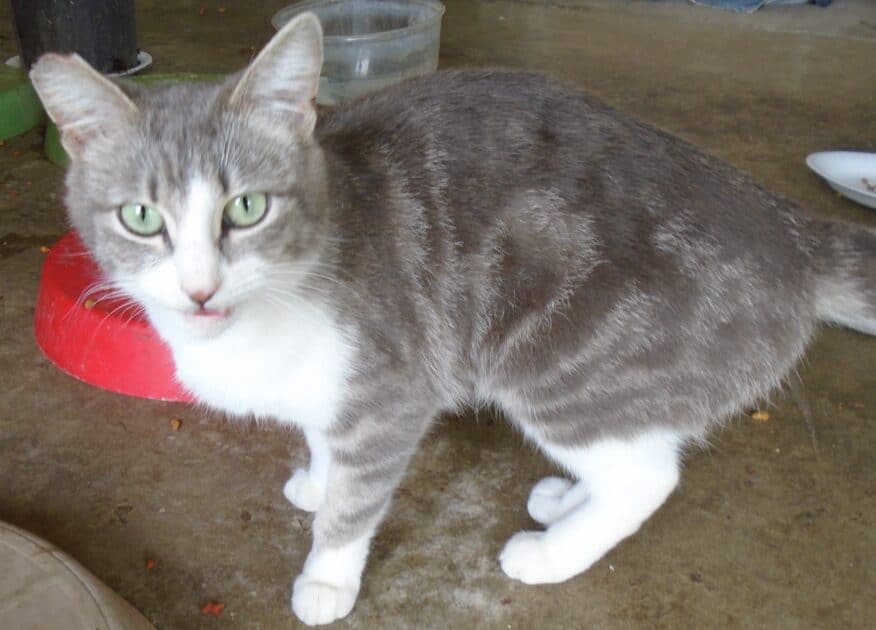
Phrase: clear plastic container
[370,44]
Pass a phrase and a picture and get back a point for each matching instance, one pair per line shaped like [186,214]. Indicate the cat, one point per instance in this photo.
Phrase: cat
[467,238]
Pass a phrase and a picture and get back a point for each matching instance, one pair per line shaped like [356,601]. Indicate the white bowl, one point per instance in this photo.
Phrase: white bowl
[849,173]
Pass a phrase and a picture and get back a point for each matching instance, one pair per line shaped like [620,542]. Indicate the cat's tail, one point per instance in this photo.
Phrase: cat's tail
[846,283]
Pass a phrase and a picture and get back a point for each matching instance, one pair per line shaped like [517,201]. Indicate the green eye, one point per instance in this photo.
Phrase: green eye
[246,210]
[141,220]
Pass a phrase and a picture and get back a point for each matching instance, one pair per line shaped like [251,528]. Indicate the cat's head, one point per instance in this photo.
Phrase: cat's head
[199,200]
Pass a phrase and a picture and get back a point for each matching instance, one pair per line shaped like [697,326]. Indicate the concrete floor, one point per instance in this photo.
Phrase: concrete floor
[772,528]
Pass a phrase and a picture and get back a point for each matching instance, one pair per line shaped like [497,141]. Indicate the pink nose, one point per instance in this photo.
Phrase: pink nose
[201,296]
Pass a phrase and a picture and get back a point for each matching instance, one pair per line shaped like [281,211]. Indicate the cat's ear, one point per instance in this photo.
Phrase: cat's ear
[83,103]
[284,77]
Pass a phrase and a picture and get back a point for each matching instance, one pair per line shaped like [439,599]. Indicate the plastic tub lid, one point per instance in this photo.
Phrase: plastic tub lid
[103,341]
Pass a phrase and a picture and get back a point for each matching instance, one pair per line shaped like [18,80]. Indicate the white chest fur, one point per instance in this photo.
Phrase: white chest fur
[288,364]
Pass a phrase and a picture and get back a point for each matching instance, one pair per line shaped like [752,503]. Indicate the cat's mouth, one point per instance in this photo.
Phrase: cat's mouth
[208,320]
[210,313]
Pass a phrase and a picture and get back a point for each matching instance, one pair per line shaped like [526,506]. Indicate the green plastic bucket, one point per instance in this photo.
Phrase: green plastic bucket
[20,108]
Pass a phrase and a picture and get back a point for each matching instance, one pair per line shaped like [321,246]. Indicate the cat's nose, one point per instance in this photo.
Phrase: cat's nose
[202,296]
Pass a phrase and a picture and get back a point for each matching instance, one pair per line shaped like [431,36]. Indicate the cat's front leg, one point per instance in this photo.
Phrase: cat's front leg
[365,466]
[327,588]
[307,486]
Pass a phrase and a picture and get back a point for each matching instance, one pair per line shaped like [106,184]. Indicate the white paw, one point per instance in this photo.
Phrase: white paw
[526,558]
[316,603]
[304,492]
[545,500]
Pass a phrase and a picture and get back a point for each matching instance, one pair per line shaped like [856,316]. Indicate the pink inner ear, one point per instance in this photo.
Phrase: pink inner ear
[75,136]
[72,144]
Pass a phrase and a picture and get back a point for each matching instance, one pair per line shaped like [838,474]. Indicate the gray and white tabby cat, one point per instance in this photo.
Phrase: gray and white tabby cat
[467,238]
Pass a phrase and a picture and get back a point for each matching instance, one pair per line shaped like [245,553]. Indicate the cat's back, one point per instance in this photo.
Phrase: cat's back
[489,134]
[492,135]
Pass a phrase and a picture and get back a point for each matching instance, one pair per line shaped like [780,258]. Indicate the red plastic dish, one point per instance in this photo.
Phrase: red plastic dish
[99,340]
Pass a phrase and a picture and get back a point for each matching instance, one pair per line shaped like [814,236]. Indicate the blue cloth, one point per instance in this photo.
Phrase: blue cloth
[750,6]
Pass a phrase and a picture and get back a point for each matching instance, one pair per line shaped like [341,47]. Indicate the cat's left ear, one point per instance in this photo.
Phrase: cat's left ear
[284,77]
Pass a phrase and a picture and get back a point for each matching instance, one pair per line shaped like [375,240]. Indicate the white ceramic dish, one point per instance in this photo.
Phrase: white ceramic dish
[850,173]
[144,60]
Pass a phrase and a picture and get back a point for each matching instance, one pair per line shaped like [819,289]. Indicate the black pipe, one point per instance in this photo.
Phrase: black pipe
[103,32]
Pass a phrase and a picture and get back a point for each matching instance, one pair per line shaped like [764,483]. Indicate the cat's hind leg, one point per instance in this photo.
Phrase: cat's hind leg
[620,483]
[553,497]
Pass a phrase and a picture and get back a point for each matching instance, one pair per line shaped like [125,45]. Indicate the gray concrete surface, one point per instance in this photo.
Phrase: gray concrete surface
[773,527]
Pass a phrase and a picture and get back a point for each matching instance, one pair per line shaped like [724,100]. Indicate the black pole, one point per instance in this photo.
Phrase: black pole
[103,32]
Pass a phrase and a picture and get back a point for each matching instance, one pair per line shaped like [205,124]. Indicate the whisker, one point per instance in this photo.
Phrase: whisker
[102,290]
[282,304]
[121,307]
[309,270]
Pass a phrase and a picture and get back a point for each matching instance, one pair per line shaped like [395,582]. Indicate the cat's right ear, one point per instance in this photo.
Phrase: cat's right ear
[83,103]
[283,79]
